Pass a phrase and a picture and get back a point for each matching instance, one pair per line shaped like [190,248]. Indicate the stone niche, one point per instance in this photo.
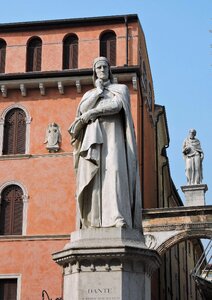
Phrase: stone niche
[107,264]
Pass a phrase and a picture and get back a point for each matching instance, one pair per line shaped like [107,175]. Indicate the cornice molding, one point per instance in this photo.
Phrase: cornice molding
[21,238]
[61,79]
[29,156]
[65,23]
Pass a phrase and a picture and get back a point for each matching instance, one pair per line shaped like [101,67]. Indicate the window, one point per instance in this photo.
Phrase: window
[4,127]
[108,47]
[2,55]
[8,289]
[14,132]
[34,52]
[11,214]
[10,286]
[70,52]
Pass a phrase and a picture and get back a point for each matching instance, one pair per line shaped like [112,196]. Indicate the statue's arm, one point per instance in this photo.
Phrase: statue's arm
[89,100]
[186,148]
[108,107]
[104,108]
[201,155]
[184,145]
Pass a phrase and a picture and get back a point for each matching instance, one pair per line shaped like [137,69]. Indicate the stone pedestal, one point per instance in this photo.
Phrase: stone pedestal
[107,264]
[195,194]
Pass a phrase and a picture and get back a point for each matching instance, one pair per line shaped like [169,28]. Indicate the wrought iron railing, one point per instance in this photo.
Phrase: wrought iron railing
[45,296]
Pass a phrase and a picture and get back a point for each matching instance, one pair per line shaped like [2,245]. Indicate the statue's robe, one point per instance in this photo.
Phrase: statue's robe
[193,154]
[106,163]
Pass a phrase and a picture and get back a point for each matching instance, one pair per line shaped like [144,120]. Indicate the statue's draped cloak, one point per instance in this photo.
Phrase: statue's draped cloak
[106,164]
[193,159]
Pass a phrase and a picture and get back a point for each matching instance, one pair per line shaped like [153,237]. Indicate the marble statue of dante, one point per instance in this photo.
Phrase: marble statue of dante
[105,154]
[193,155]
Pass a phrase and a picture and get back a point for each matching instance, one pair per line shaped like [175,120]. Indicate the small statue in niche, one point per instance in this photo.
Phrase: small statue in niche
[53,137]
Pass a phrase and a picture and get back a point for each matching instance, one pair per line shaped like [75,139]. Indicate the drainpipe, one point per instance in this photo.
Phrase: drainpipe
[126,24]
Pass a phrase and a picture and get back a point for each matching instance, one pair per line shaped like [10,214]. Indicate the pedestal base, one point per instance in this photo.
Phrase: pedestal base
[194,194]
[107,264]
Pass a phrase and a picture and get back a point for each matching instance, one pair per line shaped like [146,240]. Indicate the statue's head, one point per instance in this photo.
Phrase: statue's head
[53,124]
[98,62]
[192,133]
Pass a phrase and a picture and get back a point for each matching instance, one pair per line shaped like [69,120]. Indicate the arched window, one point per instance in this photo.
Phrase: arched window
[70,52]
[108,47]
[34,53]
[11,213]
[2,55]
[14,132]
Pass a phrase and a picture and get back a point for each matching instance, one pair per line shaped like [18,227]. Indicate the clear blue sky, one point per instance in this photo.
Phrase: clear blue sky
[179,47]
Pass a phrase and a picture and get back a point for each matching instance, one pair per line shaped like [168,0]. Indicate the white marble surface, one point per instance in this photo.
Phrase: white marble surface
[105,155]
[193,155]
[195,194]
[107,264]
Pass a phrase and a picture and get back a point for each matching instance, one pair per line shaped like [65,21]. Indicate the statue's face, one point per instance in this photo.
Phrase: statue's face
[192,134]
[102,70]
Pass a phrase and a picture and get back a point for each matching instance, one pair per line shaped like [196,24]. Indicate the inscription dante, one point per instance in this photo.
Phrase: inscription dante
[101,298]
[100,294]
[100,291]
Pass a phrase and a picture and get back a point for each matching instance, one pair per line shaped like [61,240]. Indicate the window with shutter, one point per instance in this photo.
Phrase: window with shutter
[11,214]
[108,47]
[14,132]
[8,289]
[70,52]
[2,55]
[34,54]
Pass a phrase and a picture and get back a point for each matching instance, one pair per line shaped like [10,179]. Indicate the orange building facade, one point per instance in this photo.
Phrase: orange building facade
[42,88]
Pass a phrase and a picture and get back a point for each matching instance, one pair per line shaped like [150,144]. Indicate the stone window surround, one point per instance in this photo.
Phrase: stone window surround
[25,201]
[2,121]
[14,276]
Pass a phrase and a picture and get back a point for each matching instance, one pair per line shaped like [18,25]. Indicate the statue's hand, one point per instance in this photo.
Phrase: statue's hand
[99,85]
[86,117]
[187,150]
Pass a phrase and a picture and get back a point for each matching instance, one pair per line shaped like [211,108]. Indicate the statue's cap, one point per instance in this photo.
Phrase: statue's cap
[193,130]
[100,58]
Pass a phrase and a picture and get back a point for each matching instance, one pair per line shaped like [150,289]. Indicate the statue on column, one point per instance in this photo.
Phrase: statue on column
[193,155]
[105,154]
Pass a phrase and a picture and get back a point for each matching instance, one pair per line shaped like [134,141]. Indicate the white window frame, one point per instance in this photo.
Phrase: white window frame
[14,276]
[25,201]
[28,121]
